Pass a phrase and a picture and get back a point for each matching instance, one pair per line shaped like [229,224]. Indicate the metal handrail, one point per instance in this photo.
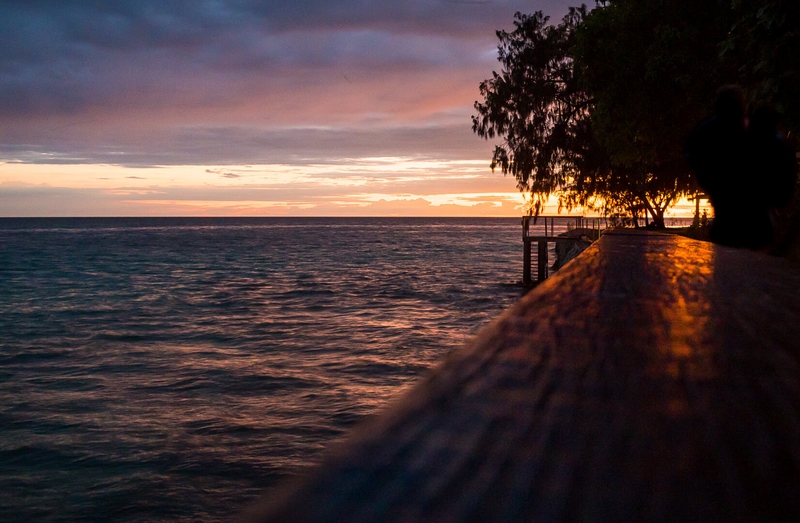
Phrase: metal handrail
[599,224]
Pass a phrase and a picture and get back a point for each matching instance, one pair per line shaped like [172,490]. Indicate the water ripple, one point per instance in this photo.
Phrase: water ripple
[171,369]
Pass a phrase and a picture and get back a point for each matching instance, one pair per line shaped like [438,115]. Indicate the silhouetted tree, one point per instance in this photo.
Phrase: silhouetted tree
[540,105]
[762,45]
[596,109]
[651,69]
[536,106]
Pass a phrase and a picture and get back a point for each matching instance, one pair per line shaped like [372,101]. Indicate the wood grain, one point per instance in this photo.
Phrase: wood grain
[652,378]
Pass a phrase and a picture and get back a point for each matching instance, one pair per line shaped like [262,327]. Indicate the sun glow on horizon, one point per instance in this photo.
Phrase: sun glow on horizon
[377,186]
[370,186]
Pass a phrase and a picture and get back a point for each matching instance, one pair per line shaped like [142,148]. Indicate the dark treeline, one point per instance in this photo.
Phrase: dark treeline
[597,108]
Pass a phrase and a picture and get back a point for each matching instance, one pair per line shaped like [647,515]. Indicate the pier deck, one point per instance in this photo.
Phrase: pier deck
[654,378]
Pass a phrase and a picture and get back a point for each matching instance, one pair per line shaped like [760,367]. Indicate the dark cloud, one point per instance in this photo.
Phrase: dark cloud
[61,56]
[239,145]
[181,21]
[148,75]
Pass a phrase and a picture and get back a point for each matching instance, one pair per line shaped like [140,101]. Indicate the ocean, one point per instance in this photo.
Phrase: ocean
[169,369]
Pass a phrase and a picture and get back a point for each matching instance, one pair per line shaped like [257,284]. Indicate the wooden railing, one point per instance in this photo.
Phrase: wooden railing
[593,226]
[654,378]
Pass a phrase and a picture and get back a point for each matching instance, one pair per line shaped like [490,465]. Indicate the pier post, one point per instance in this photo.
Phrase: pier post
[526,263]
[542,261]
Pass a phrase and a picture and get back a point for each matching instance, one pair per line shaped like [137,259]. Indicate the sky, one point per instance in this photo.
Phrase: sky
[250,108]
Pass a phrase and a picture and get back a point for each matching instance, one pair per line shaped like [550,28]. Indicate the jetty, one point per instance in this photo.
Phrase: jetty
[653,378]
[590,229]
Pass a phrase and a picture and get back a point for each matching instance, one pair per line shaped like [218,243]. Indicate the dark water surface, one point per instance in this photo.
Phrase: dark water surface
[172,369]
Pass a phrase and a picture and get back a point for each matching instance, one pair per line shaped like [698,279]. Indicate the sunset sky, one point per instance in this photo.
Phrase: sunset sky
[244,107]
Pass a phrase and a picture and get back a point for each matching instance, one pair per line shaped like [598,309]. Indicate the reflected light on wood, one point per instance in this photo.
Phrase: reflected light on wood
[654,378]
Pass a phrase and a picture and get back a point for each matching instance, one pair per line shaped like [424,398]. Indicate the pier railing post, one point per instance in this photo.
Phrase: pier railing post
[542,261]
[526,263]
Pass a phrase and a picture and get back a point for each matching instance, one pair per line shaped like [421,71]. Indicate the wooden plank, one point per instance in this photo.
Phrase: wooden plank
[553,239]
[654,378]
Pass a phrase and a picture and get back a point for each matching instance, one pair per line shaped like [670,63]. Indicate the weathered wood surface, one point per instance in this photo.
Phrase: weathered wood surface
[654,378]
[552,239]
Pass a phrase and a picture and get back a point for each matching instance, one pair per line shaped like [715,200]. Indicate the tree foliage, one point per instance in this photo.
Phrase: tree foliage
[763,45]
[646,66]
[536,106]
[596,109]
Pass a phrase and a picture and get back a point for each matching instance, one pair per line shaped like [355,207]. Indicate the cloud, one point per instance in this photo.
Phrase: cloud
[18,200]
[310,84]
[57,201]
[218,145]
[66,57]
[412,207]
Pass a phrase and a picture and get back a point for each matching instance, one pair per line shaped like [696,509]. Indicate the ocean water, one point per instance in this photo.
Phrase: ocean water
[174,369]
